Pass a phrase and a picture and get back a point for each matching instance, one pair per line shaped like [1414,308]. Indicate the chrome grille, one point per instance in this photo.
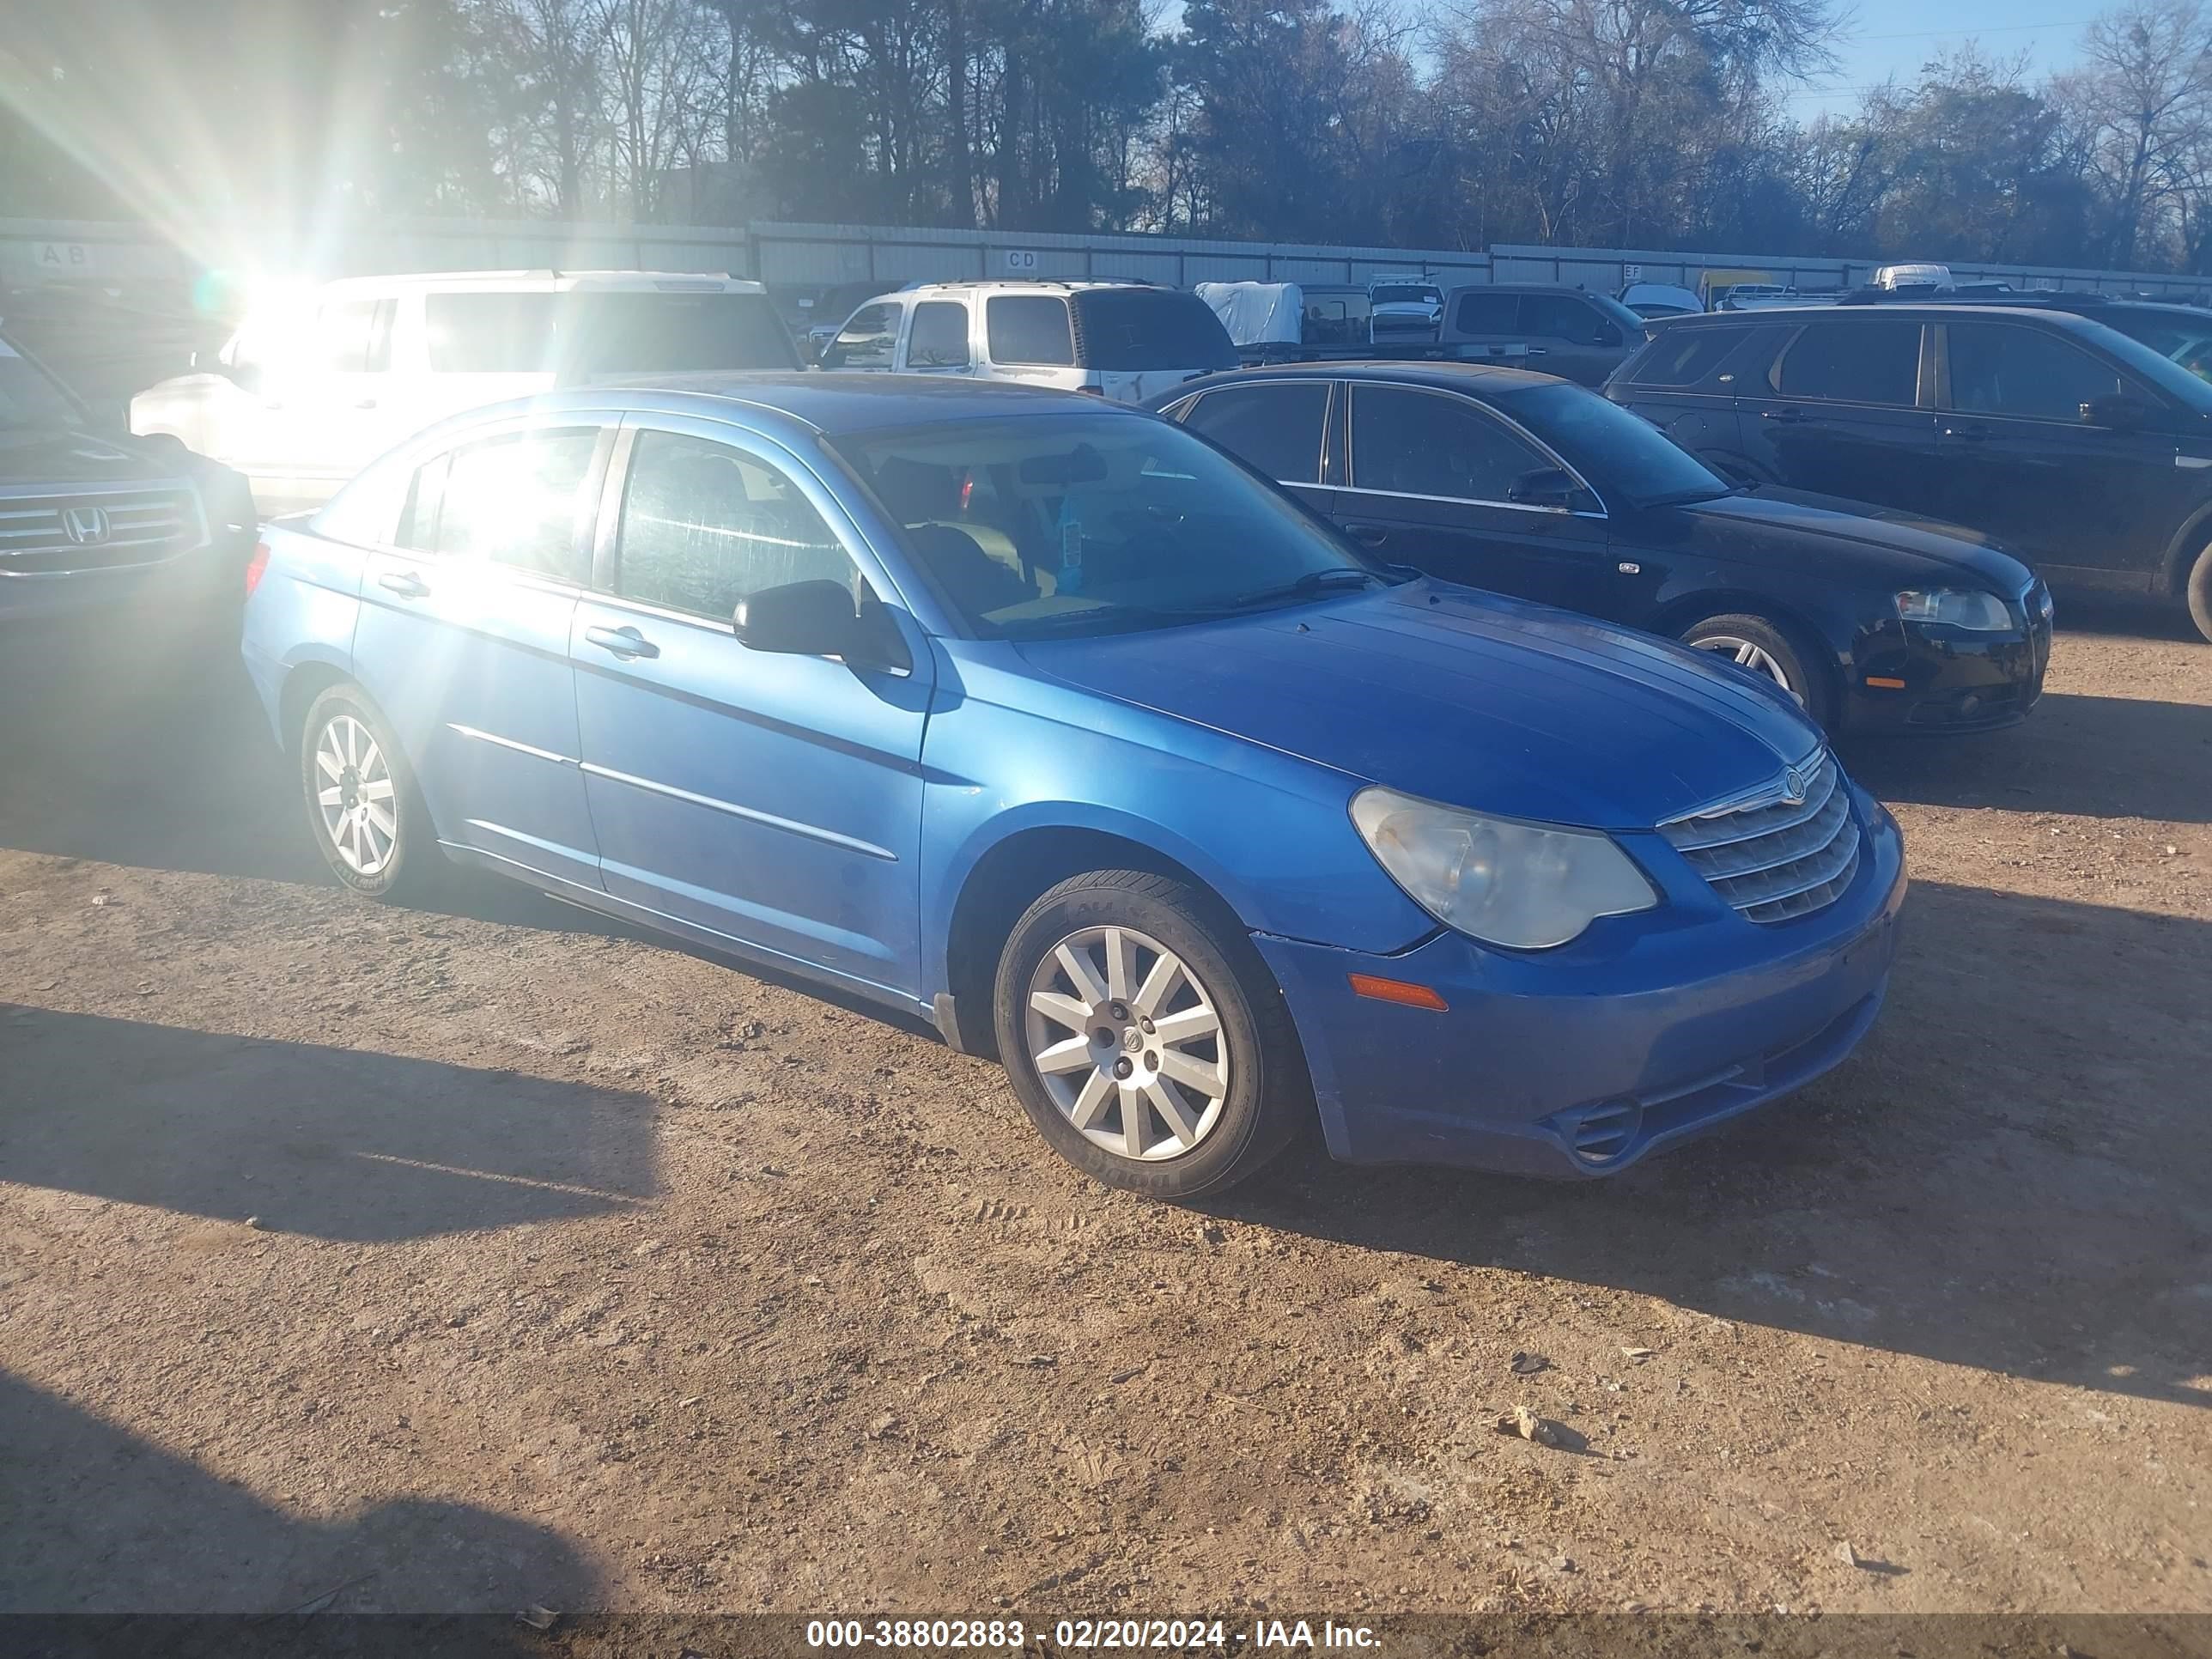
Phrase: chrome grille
[1777,860]
[135,526]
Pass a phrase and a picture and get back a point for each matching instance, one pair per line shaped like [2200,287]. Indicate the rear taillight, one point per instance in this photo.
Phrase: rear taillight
[1095,391]
[255,566]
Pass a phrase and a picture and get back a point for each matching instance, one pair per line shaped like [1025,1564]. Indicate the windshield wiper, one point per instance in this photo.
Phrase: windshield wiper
[1313,584]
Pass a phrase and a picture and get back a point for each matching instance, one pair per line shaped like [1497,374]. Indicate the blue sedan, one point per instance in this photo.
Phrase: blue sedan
[1054,724]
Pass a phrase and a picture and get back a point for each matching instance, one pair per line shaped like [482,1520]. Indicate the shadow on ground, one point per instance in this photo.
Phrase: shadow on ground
[334,1143]
[2015,1174]
[95,1520]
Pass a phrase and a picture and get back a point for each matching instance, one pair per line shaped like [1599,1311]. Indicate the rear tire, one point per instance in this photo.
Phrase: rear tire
[2200,594]
[1145,1038]
[364,809]
[1767,648]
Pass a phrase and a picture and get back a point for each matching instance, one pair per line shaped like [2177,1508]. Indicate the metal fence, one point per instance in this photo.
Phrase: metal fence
[813,257]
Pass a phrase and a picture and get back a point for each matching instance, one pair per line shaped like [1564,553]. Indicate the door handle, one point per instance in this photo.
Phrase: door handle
[1537,351]
[366,403]
[1785,416]
[1367,535]
[405,583]
[624,642]
[1972,435]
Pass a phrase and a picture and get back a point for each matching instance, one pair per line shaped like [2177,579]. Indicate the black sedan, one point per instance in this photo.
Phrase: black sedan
[1527,485]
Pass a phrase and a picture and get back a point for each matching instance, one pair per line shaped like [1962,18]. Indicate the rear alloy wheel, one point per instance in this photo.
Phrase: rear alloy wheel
[1145,1038]
[367,819]
[1754,644]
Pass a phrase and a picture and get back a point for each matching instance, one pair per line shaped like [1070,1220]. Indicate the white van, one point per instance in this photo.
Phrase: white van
[312,389]
[1125,340]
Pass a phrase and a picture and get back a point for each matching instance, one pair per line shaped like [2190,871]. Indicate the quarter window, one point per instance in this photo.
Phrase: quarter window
[703,525]
[1275,428]
[867,341]
[1428,443]
[521,499]
[1854,362]
[939,336]
[1995,370]
[1030,328]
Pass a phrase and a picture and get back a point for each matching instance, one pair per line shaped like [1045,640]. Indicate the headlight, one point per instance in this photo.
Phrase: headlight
[1960,607]
[1524,885]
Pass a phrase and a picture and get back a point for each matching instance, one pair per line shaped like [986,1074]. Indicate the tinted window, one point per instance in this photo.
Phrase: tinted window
[2186,341]
[1031,328]
[1854,362]
[866,341]
[939,338]
[1090,523]
[1433,443]
[1995,370]
[1139,328]
[634,332]
[1276,427]
[518,500]
[488,333]
[1334,319]
[1487,314]
[703,525]
[1561,317]
[1619,452]
[1686,356]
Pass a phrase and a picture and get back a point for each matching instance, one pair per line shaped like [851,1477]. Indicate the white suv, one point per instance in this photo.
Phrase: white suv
[1125,341]
[312,389]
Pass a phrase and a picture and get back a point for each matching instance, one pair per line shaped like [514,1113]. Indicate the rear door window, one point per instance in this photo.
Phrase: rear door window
[1032,329]
[2024,372]
[1277,428]
[354,337]
[1133,329]
[641,332]
[1856,363]
[520,500]
[1434,443]
[488,333]
[1487,314]
[938,339]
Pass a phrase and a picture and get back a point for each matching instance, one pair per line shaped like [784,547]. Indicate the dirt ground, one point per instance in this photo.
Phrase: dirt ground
[481,1258]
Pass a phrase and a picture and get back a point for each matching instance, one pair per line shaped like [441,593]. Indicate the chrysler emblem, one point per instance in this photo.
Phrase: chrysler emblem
[85,527]
[1795,783]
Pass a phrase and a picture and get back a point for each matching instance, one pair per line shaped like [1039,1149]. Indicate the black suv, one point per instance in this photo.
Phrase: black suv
[99,529]
[2084,451]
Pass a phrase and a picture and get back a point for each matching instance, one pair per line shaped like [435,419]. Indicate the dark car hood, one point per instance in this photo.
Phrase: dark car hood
[1910,545]
[49,456]
[1511,709]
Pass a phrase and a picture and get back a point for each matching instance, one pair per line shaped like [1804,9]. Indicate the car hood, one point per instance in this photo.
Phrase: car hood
[58,456]
[1910,545]
[1463,697]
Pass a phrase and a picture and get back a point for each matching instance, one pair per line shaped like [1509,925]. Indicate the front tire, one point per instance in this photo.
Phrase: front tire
[1766,648]
[1145,1037]
[2200,594]
[366,815]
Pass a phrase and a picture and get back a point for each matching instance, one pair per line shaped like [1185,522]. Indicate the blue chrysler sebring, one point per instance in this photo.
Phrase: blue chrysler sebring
[1051,723]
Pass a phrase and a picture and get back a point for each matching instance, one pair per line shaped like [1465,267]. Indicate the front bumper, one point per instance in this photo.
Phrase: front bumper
[1953,680]
[1579,1062]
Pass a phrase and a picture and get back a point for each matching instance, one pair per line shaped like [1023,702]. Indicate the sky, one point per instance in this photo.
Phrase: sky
[1895,37]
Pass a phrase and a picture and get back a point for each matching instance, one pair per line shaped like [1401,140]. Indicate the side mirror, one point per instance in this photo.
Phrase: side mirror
[800,619]
[2118,411]
[1550,487]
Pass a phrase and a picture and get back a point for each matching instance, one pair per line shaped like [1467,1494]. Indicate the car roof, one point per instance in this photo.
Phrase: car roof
[1449,377]
[828,404]
[1916,311]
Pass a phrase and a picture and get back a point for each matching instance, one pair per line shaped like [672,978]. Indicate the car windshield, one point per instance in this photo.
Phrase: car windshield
[1405,294]
[1622,454]
[30,398]
[2184,340]
[1083,524]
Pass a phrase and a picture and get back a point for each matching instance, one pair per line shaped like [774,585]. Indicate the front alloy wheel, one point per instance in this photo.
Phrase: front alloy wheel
[1749,653]
[1127,1043]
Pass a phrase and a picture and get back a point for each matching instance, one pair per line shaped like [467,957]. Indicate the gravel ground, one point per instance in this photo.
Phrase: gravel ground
[496,1255]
